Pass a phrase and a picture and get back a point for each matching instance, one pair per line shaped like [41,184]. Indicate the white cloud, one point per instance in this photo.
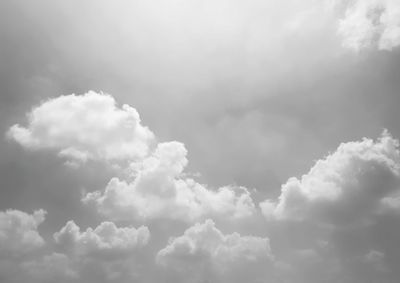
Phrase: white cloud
[341,212]
[370,24]
[91,126]
[83,127]
[105,241]
[204,253]
[18,232]
[160,191]
[347,186]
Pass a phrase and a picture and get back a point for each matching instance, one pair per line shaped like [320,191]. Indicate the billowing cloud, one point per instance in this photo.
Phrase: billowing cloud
[85,127]
[105,241]
[91,126]
[160,191]
[370,24]
[350,194]
[204,253]
[106,253]
[347,187]
[344,207]
[103,254]
[21,251]
[18,232]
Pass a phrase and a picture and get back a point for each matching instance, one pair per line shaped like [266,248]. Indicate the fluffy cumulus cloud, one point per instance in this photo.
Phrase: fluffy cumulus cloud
[159,190]
[103,254]
[370,24]
[21,246]
[348,186]
[330,224]
[18,232]
[204,254]
[105,241]
[85,127]
[91,126]
[345,207]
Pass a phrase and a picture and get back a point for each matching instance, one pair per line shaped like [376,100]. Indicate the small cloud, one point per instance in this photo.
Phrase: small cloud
[18,232]
[370,24]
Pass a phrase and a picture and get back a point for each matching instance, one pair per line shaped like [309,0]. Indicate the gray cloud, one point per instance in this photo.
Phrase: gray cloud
[204,253]
[254,91]
[18,232]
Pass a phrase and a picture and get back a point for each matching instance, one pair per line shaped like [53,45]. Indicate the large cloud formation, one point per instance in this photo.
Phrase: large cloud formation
[346,207]
[159,191]
[85,127]
[356,181]
[338,222]
[204,254]
[90,126]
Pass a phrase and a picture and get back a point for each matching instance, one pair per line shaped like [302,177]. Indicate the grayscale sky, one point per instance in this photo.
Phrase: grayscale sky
[199,141]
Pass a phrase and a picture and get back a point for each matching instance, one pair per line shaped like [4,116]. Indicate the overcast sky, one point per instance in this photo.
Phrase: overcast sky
[199,141]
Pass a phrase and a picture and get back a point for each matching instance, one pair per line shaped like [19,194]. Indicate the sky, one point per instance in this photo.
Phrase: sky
[199,141]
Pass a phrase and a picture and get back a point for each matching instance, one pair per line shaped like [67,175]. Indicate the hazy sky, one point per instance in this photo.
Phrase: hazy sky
[199,141]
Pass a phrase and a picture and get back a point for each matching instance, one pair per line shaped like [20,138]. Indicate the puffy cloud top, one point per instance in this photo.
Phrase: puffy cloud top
[205,249]
[106,240]
[160,191]
[350,184]
[18,232]
[83,127]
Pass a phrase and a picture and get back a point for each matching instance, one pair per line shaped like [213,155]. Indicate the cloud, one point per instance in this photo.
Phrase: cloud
[376,259]
[340,214]
[106,253]
[105,241]
[370,24]
[160,191]
[55,267]
[20,248]
[18,232]
[204,253]
[103,254]
[92,127]
[85,127]
[346,187]
[330,219]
